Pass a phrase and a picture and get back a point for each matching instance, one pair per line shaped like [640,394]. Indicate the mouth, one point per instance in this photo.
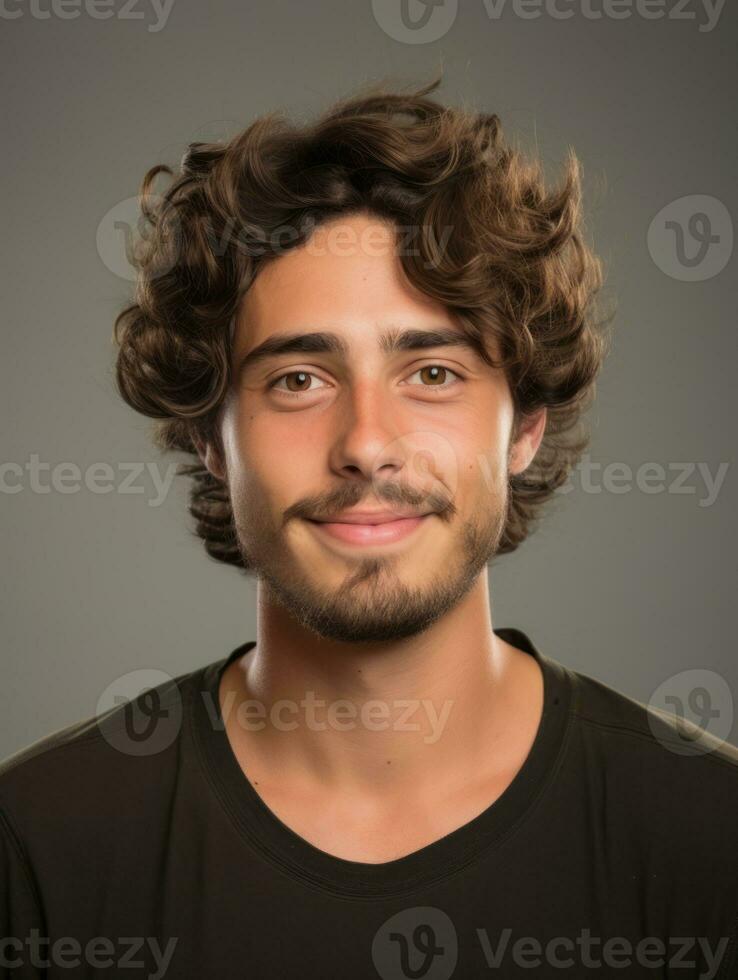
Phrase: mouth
[370,534]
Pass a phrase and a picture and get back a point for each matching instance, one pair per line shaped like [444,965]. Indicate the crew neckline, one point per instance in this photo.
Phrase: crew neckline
[293,854]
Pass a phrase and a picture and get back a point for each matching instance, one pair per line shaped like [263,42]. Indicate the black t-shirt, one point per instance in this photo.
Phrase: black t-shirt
[613,852]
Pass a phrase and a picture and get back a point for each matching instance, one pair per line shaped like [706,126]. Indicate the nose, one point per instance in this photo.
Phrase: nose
[367,443]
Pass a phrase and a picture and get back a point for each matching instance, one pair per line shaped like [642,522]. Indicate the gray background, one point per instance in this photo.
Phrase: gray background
[631,588]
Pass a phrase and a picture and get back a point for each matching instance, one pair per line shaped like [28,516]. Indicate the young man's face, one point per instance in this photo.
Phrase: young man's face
[358,424]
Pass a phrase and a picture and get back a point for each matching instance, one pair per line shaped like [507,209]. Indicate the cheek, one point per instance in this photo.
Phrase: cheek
[483,464]
[476,479]
[270,459]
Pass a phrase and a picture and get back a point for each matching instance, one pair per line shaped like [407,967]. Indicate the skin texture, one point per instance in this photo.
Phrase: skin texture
[341,622]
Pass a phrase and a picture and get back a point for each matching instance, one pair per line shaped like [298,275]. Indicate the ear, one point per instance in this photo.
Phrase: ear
[211,457]
[527,440]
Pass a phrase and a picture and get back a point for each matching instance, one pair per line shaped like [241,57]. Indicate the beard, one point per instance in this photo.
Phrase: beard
[373,604]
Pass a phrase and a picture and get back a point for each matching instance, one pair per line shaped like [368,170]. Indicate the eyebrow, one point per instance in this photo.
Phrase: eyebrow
[390,342]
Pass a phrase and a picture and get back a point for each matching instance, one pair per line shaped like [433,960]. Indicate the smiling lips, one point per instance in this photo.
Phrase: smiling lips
[380,527]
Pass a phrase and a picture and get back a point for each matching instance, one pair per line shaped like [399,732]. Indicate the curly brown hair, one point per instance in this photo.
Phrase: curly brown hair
[515,268]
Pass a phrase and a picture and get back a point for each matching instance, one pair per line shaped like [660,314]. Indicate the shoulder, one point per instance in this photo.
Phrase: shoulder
[669,784]
[101,766]
[663,738]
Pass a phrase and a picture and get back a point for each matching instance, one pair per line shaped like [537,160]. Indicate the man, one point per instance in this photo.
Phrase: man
[381,784]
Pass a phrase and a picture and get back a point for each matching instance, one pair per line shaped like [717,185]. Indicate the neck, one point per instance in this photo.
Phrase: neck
[440,704]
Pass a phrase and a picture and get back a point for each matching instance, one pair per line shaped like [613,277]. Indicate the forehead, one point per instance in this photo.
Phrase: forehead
[347,278]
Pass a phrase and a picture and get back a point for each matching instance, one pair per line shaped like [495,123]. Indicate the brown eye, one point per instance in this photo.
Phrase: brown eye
[434,374]
[301,381]
[296,382]
[437,376]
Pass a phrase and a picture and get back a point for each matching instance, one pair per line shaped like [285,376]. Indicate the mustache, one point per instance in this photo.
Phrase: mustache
[352,494]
